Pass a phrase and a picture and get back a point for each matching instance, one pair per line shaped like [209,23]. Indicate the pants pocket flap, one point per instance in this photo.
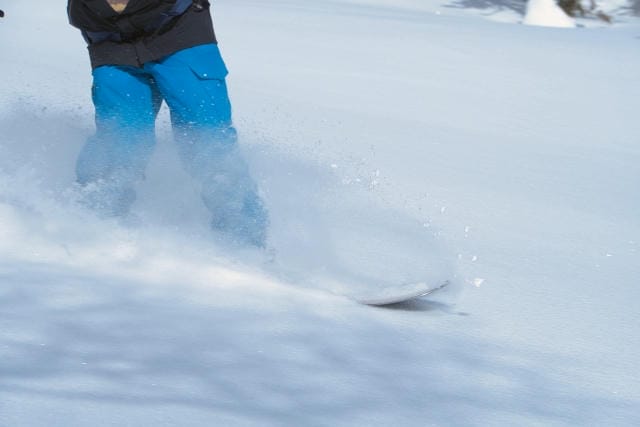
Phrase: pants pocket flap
[207,64]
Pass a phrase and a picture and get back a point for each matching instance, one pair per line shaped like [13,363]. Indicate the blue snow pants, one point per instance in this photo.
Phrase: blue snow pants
[127,101]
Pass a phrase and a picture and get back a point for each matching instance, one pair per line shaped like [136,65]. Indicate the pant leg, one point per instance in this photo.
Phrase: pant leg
[114,159]
[192,82]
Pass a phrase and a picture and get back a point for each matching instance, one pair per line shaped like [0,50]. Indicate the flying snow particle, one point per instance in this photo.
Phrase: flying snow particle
[477,282]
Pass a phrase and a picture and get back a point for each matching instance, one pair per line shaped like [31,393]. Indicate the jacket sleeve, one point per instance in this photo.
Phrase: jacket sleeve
[71,5]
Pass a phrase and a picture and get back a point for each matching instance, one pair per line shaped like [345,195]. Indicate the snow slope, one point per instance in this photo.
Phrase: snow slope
[391,143]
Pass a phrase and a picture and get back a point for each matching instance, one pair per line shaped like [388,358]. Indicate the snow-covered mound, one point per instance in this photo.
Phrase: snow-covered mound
[547,13]
[394,142]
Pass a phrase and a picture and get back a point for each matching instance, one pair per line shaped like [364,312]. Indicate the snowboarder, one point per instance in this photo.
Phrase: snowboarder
[144,52]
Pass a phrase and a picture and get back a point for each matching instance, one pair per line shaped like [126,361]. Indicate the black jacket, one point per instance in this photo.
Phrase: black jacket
[131,37]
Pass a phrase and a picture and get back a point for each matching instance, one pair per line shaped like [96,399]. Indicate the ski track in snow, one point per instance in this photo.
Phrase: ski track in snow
[393,142]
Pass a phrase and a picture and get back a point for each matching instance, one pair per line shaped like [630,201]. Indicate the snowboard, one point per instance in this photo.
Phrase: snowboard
[398,294]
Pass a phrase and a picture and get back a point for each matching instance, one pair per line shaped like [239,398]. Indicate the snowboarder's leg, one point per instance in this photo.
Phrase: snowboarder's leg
[192,82]
[113,160]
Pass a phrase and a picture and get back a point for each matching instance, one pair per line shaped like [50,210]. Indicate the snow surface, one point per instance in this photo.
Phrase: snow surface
[392,144]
